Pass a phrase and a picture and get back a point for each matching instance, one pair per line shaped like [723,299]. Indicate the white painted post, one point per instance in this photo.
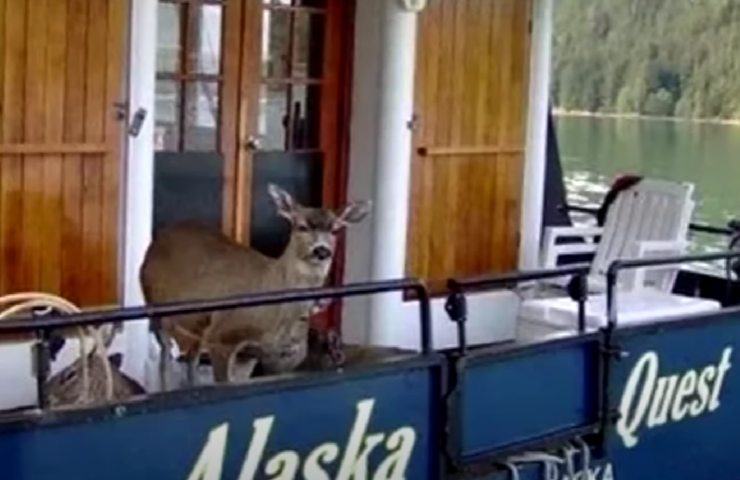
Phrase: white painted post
[139,174]
[380,162]
[533,187]
[392,179]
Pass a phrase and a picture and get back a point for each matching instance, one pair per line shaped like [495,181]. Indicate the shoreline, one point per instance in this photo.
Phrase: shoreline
[560,112]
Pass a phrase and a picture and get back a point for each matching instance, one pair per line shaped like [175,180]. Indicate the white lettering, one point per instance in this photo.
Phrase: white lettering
[699,405]
[661,401]
[325,453]
[400,443]
[352,462]
[262,428]
[626,428]
[211,459]
[286,464]
[608,472]
[283,466]
[686,388]
[554,472]
[724,366]
[654,400]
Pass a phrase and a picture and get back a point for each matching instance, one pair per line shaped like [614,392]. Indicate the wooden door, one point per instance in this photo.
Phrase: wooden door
[61,137]
[471,89]
[296,64]
[273,79]
[255,91]
[296,119]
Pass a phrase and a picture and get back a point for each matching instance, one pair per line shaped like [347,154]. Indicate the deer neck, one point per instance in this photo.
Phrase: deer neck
[296,272]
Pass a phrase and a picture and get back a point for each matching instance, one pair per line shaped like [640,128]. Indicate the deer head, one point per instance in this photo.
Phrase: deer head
[314,230]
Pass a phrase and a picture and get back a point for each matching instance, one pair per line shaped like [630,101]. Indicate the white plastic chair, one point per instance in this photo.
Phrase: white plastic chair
[649,219]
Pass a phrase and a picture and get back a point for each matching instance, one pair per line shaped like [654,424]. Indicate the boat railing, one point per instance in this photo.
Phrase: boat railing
[42,326]
[456,304]
[594,380]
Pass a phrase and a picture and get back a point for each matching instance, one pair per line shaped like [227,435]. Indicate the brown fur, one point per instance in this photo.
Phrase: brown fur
[188,262]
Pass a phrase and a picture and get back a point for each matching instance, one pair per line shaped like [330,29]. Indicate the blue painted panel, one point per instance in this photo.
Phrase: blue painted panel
[519,398]
[698,436]
[166,444]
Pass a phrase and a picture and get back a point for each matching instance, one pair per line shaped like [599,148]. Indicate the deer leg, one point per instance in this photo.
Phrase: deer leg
[220,363]
[165,346]
[199,349]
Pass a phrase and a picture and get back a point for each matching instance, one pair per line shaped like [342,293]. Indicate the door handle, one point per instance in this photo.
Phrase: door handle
[252,143]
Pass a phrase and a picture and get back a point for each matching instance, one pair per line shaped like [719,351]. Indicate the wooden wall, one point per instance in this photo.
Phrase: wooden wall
[61,73]
[471,103]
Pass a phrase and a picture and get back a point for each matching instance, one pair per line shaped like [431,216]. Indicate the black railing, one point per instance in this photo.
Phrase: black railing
[618,265]
[456,305]
[456,308]
[613,351]
[43,326]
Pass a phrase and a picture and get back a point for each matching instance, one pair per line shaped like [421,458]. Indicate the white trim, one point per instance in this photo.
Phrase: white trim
[533,178]
[139,173]
[380,161]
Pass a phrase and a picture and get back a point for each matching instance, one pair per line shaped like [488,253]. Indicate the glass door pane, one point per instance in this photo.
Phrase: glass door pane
[188,164]
[288,122]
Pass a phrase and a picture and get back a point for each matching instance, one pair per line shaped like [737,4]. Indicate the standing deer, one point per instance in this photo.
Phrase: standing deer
[189,262]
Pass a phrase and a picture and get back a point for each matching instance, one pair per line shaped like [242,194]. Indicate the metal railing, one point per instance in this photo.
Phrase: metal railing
[456,305]
[42,326]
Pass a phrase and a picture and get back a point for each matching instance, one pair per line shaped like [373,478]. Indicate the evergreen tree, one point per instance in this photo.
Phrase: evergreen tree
[654,57]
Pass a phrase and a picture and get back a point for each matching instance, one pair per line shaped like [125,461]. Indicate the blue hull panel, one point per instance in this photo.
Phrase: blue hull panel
[389,417]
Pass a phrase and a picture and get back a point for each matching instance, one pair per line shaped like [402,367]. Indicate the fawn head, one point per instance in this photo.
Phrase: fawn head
[314,230]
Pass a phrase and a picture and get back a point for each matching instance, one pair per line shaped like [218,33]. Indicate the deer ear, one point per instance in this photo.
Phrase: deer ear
[354,212]
[283,201]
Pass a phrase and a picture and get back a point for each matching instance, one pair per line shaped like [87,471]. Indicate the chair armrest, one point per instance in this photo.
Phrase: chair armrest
[652,248]
[551,250]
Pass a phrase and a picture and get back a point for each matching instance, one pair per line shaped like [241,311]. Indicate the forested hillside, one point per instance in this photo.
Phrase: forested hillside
[653,57]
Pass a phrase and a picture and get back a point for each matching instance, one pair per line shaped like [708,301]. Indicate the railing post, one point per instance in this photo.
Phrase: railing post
[42,364]
[457,309]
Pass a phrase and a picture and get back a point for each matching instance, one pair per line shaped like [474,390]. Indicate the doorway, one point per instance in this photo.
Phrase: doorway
[250,92]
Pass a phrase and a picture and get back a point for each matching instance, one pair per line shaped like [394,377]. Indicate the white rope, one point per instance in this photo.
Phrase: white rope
[26,301]
[534,457]
[547,459]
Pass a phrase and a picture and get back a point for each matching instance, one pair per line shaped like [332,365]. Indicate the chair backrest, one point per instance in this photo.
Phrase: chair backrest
[651,210]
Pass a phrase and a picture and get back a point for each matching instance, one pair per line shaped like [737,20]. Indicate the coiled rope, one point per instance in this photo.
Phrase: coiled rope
[16,303]
[547,459]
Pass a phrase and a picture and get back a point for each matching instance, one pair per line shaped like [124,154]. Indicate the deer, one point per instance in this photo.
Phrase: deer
[187,261]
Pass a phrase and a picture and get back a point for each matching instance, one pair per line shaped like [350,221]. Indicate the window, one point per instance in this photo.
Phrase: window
[189,75]
[292,61]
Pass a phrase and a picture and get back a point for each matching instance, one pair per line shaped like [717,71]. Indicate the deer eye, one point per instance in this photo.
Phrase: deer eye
[302,227]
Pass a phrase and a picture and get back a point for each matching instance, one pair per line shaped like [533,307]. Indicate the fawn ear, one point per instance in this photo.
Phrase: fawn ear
[283,201]
[354,212]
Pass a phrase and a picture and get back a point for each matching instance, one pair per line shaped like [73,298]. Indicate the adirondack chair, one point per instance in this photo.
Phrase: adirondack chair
[649,219]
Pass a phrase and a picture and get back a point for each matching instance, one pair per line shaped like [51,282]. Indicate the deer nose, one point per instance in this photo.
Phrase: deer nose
[321,252]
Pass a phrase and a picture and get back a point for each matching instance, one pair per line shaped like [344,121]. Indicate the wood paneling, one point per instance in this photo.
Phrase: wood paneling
[470,102]
[61,73]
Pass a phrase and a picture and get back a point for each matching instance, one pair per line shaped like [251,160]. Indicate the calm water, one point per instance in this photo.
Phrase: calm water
[594,151]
